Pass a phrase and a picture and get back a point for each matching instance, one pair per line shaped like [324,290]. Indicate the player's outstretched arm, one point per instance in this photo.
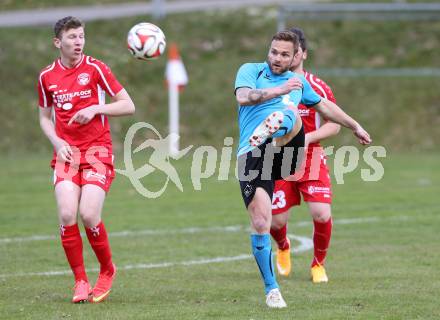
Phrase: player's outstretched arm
[248,97]
[327,130]
[122,105]
[331,111]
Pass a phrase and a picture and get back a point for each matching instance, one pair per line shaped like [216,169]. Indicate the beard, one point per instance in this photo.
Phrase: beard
[279,70]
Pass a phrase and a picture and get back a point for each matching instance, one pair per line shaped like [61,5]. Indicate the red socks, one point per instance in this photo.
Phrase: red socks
[280,236]
[99,241]
[73,247]
[321,239]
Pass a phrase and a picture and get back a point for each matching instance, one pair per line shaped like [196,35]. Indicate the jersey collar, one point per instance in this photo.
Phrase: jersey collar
[74,67]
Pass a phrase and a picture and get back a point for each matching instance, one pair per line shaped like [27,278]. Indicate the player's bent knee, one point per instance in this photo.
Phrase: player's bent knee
[321,216]
[260,211]
[320,212]
[278,222]
[260,221]
[260,225]
[90,217]
[67,216]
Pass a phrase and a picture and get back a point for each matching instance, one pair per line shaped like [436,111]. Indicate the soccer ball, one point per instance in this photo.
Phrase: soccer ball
[146,41]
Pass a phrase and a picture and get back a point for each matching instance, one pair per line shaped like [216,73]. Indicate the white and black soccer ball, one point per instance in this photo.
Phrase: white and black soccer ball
[146,41]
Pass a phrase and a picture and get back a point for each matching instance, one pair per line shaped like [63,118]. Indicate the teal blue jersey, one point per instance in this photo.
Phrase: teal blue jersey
[259,76]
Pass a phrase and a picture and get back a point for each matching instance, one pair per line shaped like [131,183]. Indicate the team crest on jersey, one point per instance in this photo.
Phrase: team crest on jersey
[83,79]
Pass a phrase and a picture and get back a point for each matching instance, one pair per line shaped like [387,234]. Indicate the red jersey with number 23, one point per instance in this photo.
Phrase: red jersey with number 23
[68,90]
[313,180]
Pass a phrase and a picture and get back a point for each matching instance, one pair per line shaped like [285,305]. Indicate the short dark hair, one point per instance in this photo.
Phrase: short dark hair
[301,37]
[289,36]
[65,24]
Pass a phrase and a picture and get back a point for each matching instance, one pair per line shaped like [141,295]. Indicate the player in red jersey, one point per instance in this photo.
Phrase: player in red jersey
[72,91]
[314,185]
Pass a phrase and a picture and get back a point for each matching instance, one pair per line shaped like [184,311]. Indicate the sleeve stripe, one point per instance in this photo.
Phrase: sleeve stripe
[102,75]
[324,94]
[235,91]
[41,84]
[317,120]
[101,99]
[320,88]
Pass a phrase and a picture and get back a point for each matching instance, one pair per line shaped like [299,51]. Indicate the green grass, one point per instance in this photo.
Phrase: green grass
[401,113]
[381,268]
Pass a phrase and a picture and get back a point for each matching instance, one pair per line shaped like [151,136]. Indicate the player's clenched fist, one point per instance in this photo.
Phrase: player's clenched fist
[292,84]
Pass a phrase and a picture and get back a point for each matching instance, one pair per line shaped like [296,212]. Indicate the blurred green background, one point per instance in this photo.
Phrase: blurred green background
[401,113]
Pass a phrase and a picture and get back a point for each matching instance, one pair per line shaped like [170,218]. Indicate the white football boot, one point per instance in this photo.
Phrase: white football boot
[274,299]
[267,128]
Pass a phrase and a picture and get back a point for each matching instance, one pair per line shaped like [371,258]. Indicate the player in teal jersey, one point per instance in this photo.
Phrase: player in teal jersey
[271,139]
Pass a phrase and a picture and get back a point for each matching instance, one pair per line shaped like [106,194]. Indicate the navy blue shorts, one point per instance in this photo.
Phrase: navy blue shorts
[263,165]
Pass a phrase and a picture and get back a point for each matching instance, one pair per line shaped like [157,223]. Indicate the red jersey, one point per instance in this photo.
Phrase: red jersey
[312,121]
[69,90]
[313,181]
[310,118]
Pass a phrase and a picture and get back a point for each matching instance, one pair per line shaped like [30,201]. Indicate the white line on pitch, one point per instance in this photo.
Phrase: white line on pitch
[129,233]
[343,221]
[304,245]
[192,230]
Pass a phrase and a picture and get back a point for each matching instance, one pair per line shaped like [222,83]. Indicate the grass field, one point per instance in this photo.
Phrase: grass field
[383,262]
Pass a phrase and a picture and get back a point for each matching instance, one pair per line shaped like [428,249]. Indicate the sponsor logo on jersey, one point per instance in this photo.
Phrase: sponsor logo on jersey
[314,189]
[83,79]
[304,112]
[66,106]
[286,100]
[53,86]
[62,96]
